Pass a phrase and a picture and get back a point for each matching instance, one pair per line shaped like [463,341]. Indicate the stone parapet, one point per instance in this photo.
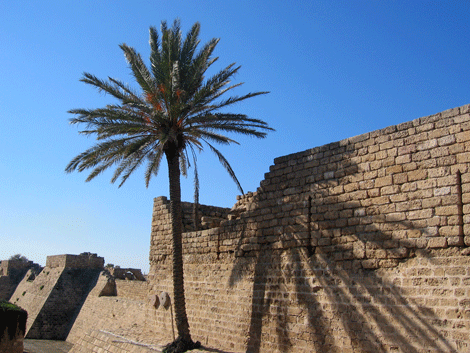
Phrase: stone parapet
[85,260]
[7,266]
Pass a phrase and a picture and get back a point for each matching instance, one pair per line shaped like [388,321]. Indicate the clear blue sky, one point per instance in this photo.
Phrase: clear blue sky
[335,69]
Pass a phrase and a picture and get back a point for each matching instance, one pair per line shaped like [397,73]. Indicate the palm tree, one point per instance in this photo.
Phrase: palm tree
[175,113]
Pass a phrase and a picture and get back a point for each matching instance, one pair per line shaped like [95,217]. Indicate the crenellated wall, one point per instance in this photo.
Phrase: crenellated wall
[354,246]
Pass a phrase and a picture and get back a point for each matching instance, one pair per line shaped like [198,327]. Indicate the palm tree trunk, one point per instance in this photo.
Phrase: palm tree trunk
[181,318]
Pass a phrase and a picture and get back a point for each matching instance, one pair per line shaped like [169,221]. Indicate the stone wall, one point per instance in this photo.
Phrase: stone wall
[84,260]
[7,266]
[354,246]
[123,321]
[126,273]
[207,215]
[54,297]
[11,273]
[7,287]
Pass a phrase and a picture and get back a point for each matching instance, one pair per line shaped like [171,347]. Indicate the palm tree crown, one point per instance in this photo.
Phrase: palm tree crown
[175,113]
[176,110]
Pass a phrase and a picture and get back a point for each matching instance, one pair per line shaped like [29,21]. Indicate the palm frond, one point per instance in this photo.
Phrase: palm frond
[189,48]
[155,55]
[154,163]
[129,164]
[218,138]
[234,99]
[183,164]
[139,69]
[128,90]
[196,191]
[104,86]
[226,165]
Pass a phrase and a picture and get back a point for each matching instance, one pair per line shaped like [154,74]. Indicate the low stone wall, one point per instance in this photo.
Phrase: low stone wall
[126,273]
[207,216]
[137,290]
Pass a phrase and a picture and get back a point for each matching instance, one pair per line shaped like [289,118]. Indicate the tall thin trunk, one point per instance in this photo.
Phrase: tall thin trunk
[181,318]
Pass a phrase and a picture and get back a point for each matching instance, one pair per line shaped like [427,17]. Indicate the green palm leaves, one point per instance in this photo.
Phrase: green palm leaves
[175,108]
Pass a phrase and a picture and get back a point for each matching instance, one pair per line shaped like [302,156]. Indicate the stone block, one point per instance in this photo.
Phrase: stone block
[419,174]
[446,140]
[403,159]
[370,264]
[438,242]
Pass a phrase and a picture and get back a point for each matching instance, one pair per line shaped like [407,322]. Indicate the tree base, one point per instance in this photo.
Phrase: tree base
[181,345]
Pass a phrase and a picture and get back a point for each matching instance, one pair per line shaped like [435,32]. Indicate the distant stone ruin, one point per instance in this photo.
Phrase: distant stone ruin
[12,272]
[53,296]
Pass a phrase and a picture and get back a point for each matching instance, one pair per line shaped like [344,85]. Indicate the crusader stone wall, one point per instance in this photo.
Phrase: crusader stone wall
[361,245]
[54,297]
[11,273]
[356,246]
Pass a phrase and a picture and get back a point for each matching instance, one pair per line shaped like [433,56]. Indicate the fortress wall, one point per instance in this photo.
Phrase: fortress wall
[94,340]
[124,322]
[7,287]
[55,296]
[32,295]
[354,246]
[85,260]
[137,290]
[57,315]
[207,216]
[7,266]
[161,224]
[11,274]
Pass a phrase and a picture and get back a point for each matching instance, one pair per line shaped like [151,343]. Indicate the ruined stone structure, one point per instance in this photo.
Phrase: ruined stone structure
[12,272]
[74,297]
[356,246]
[54,297]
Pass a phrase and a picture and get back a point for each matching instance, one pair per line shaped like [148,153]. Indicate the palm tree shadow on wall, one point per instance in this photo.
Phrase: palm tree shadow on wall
[324,289]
